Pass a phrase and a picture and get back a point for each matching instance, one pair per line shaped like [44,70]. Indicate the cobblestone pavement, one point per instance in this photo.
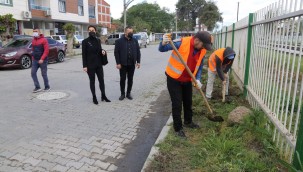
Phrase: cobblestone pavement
[71,133]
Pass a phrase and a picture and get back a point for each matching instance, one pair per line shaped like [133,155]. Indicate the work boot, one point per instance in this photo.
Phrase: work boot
[191,125]
[122,97]
[181,134]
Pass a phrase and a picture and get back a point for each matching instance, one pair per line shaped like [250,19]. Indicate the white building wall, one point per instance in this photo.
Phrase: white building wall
[17,9]
[56,15]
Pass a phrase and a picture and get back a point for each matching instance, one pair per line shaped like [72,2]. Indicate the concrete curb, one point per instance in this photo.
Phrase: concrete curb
[155,150]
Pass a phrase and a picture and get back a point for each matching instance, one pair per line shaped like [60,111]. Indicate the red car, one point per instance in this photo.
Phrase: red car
[17,53]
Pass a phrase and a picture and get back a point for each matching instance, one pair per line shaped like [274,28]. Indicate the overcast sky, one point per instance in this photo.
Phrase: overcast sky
[227,7]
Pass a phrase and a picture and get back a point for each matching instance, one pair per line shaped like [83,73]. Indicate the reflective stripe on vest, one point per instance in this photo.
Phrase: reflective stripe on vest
[174,67]
[212,59]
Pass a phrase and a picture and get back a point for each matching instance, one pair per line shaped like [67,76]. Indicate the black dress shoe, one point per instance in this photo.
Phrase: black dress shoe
[191,125]
[122,97]
[95,100]
[181,134]
[104,98]
[129,96]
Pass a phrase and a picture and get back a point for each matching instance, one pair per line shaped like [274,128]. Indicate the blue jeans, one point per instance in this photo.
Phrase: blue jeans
[199,73]
[43,67]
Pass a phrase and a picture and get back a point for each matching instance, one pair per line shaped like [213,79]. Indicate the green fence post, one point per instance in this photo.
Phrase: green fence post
[248,51]
[221,38]
[233,37]
[299,144]
[225,37]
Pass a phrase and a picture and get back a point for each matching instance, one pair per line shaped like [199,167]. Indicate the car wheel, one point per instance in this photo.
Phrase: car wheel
[61,56]
[78,46]
[26,62]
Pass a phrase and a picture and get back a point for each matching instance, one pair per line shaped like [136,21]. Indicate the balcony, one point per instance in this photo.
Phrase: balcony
[37,7]
[42,5]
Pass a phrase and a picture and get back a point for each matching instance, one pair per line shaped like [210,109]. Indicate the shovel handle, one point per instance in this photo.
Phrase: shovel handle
[223,93]
[191,75]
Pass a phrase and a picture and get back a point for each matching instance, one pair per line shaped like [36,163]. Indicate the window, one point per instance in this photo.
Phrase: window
[28,25]
[91,11]
[51,41]
[6,2]
[56,37]
[62,8]
[49,25]
[80,8]
[80,11]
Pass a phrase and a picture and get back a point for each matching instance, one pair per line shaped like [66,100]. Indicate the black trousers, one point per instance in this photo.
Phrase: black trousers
[129,72]
[180,93]
[92,72]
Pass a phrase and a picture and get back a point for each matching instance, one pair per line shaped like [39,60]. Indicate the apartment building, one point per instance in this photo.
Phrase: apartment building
[16,9]
[104,14]
[51,15]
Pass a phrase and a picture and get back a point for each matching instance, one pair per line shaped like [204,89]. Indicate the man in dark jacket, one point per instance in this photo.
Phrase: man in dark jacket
[128,56]
[40,52]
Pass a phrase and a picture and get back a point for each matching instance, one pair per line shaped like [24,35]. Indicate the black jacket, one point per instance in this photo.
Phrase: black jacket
[91,53]
[121,51]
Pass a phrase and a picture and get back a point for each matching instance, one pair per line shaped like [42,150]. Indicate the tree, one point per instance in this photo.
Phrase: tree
[118,25]
[210,15]
[7,27]
[149,16]
[189,10]
[70,30]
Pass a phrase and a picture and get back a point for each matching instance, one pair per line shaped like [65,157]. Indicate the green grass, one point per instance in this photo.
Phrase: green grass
[217,147]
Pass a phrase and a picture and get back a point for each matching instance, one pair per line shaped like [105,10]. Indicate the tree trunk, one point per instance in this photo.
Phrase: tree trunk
[70,42]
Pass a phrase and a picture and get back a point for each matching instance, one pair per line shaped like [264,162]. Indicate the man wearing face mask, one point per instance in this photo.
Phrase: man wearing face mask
[128,56]
[40,52]
[179,82]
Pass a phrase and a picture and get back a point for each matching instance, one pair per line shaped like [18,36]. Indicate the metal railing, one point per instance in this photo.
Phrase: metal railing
[269,68]
[38,7]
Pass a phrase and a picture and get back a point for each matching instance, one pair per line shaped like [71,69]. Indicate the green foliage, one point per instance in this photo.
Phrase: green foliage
[69,28]
[217,147]
[188,10]
[7,25]
[149,16]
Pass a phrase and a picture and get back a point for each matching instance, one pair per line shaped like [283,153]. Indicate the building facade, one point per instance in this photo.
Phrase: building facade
[51,15]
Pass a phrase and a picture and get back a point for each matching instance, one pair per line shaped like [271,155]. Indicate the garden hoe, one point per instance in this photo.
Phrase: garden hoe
[212,116]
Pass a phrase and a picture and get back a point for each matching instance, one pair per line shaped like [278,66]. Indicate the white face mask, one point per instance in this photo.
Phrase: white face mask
[35,34]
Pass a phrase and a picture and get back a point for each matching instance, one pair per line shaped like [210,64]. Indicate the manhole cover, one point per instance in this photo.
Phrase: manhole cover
[51,95]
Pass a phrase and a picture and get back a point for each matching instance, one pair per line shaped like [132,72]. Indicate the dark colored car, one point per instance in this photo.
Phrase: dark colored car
[17,53]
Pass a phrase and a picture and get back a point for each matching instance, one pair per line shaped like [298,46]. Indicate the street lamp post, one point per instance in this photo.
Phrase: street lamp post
[125,5]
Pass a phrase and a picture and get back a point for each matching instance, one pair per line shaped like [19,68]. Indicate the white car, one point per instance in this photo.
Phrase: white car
[60,38]
[79,39]
[145,35]
[141,40]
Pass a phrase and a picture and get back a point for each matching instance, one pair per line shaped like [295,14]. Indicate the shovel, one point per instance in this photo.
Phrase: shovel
[212,116]
[223,93]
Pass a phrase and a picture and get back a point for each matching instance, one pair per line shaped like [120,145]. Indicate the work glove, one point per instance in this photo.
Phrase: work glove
[166,38]
[198,85]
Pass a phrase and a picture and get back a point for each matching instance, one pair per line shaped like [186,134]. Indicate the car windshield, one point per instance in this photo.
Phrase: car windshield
[137,37]
[17,43]
[79,36]
[63,37]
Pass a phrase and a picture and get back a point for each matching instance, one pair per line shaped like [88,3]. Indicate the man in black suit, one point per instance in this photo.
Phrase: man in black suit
[128,56]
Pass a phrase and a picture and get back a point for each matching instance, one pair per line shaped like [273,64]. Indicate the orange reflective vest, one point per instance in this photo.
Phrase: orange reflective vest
[212,59]
[174,67]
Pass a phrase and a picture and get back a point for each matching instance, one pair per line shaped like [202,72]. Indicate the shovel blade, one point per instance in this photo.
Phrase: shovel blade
[215,118]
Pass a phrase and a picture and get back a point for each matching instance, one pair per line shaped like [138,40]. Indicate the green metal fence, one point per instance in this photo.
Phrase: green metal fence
[268,66]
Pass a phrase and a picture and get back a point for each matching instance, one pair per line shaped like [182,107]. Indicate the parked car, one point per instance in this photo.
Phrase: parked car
[111,39]
[145,35]
[21,36]
[79,39]
[62,39]
[17,53]
[141,40]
